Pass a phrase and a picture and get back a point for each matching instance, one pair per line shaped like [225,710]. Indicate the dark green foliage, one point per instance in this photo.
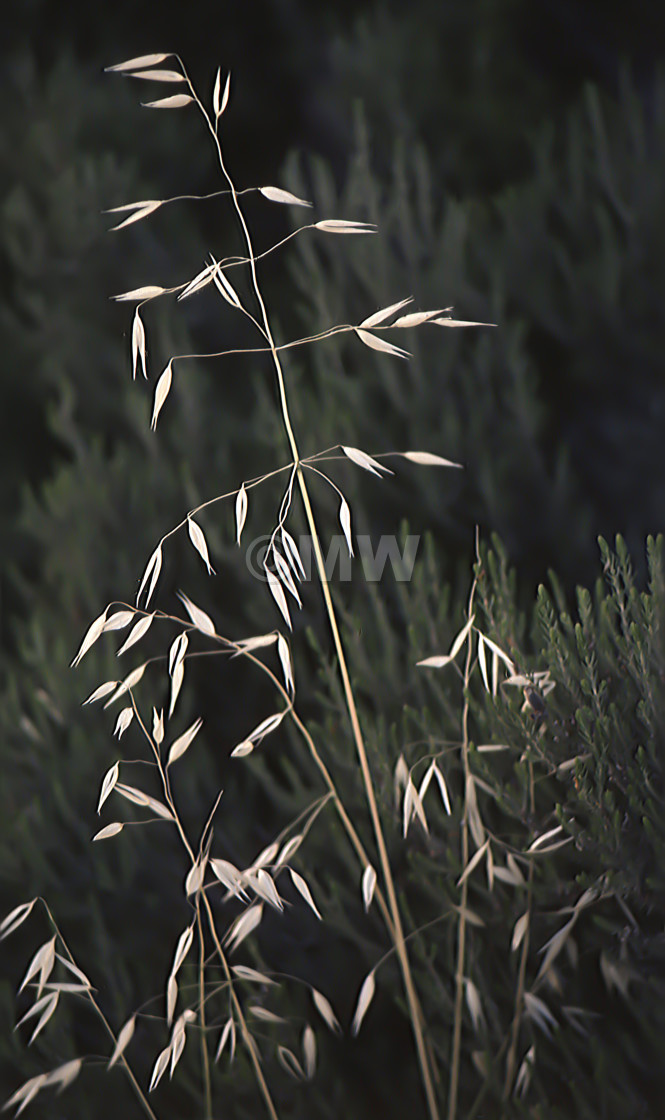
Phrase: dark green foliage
[64,354]
[595,743]
[84,536]
[552,414]
[475,81]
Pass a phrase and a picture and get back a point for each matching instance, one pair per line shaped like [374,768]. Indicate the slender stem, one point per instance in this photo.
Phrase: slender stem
[414,1007]
[345,819]
[246,1035]
[400,944]
[205,1057]
[237,1007]
[511,1060]
[128,1069]
[461,934]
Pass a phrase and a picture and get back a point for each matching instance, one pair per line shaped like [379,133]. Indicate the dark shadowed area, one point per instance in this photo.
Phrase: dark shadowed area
[512,155]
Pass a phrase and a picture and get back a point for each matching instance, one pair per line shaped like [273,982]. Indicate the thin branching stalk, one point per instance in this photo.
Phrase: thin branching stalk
[199,852]
[205,1057]
[145,1104]
[400,944]
[244,1029]
[237,1007]
[344,817]
[412,999]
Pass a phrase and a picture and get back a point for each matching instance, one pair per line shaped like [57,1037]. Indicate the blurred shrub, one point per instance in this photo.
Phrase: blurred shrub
[558,443]
[554,415]
[593,747]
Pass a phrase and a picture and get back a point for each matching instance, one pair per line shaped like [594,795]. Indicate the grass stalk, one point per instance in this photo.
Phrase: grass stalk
[399,940]
[205,1057]
[257,877]
[237,1007]
[144,1102]
[244,1029]
[412,999]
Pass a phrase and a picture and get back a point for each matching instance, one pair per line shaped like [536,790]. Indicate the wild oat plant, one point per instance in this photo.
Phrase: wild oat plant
[213,1005]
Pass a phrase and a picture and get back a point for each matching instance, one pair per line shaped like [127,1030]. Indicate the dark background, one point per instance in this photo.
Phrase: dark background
[476,83]
[514,158]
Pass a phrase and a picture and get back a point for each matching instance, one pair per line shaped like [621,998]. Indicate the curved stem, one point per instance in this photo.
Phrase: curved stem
[246,1034]
[398,932]
[237,1007]
[400,945]
[128,1069]
[345,819]
[205,1057]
